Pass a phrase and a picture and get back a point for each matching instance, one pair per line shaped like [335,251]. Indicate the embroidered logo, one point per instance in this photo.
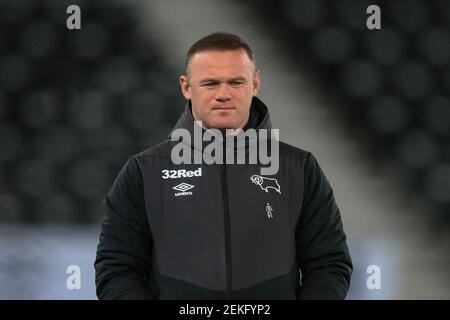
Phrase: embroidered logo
[183,187]
[266,183]
[269,211]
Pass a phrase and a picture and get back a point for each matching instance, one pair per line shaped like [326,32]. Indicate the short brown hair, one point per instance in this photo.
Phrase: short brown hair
[219,41]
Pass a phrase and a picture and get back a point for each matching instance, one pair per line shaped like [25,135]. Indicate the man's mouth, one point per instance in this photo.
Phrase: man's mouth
[223,108]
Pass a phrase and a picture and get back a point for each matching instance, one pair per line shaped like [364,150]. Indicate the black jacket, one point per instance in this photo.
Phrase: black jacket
[217,234]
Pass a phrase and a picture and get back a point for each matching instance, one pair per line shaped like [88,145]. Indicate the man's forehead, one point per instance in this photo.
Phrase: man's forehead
[220,65]
[232,59]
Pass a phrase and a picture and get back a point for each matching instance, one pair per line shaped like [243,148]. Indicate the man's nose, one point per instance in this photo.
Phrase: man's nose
[223,93]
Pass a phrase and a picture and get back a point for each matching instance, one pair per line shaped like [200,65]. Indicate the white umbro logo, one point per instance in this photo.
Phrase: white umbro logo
[183,187]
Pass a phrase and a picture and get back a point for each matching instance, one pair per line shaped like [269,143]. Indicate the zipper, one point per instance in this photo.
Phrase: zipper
[227,225]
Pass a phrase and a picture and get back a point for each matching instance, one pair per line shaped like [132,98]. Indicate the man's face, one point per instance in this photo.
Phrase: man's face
[221,85]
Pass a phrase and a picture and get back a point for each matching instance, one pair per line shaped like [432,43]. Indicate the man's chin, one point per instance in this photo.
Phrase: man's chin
[222,125]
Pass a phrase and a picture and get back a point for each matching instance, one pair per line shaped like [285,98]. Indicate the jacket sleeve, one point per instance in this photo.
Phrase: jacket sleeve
[123,259]
[322,251]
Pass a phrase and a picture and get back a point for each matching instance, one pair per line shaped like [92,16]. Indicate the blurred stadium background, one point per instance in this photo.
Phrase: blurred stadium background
[373,106]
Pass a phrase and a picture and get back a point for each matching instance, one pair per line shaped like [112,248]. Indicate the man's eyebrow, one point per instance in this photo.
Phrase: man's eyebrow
[237,79]
[213,80]
[209,80]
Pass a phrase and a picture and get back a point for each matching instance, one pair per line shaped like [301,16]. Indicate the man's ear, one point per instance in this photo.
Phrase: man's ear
[185,87]
[256,83]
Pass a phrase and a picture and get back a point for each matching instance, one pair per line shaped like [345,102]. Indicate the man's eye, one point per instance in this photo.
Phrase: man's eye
[236,83]
[210,85]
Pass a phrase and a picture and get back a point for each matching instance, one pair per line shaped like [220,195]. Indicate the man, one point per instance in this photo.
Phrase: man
[202,231]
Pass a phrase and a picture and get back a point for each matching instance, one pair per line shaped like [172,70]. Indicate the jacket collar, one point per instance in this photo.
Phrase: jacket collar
[212,146]
[259,118]
[198,139]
